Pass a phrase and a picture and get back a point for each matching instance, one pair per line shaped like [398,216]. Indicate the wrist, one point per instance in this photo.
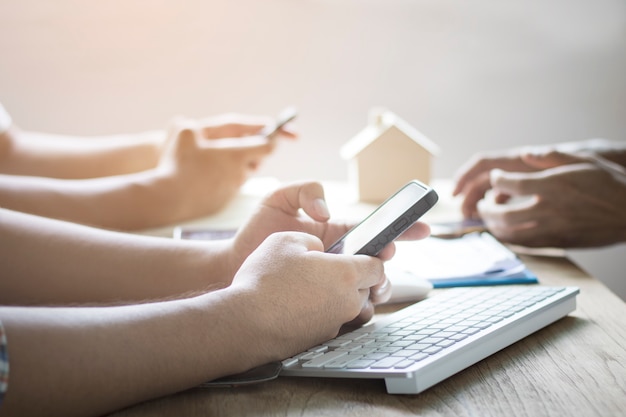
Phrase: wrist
[155,198]
[177,196]
[232,258]
[155,140]
[209,266]
[242,319]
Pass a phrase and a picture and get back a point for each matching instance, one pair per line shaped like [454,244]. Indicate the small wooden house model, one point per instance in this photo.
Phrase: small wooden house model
[387,154]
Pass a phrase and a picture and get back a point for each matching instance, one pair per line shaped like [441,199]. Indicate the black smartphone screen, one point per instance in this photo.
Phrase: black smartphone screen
[388,221]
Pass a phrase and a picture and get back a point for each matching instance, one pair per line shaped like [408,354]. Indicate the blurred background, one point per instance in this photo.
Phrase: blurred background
[471,76]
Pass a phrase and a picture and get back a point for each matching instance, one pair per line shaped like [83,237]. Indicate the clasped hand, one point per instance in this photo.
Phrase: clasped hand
[543,197]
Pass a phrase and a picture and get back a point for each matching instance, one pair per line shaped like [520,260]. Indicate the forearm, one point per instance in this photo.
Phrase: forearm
[58,156]
[92,361]
[127,202]
[78,264]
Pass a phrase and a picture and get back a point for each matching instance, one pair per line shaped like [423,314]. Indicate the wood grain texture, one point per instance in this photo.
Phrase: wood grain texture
[574,367]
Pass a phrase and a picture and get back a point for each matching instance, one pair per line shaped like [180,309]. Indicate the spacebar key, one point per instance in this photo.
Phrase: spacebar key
[324,359]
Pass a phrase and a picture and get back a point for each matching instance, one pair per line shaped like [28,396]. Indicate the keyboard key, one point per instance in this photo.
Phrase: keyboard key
[432,350]
[351,347]
[432,340]
[444,334]
[319,348]
[363,351]
[310,355]
[401,343]
[416,337]
[446,343]
[456,329]
[402,333]
[389,349]
[419,356]
[389,338]
[289,362]
[427,331]
[404,364]
[360,364]
[404,353]
[386,363]
[418,346]
[458,336]
[439,326]
[337,342]
[377,345]
[342,362]
[376,356]
[323,360]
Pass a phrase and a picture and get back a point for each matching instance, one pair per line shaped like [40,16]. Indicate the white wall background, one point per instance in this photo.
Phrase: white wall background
[471,75]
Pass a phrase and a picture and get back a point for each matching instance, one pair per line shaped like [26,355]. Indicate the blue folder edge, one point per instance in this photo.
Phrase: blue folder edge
[524,277]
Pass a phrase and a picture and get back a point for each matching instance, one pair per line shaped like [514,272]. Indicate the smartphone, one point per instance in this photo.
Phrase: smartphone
[388,221]
[284,117]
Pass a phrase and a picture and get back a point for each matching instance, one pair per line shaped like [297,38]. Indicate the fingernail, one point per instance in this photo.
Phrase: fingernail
[321,208]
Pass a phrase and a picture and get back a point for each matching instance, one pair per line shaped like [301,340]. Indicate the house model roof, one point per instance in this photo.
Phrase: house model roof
[382,120]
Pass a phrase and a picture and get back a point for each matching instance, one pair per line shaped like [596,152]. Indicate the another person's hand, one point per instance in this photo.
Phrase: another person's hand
[575,202]
[204,163]
[472,179]
[233,125]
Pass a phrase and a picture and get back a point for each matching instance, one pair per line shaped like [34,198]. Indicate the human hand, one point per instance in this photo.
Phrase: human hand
[575,202]
[205,162]
[301,207]
[232,125]
[301,296]
[472,179]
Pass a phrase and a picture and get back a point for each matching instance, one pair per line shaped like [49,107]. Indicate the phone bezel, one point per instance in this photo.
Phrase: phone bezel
[427,199]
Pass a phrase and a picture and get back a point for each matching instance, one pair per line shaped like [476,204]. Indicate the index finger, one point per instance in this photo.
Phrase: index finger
[482,163]
[419,230]
[370,270]
[232,125]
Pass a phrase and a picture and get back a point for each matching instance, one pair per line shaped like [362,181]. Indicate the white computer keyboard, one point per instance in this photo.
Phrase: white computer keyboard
[422,344]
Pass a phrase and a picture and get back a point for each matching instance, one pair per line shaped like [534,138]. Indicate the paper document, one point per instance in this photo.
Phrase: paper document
[474,259]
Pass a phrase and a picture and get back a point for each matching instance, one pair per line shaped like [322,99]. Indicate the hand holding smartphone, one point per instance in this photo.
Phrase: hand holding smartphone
[388,221]
[284,117]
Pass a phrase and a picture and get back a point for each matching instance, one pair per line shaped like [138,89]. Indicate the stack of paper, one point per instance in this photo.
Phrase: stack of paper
[474,259]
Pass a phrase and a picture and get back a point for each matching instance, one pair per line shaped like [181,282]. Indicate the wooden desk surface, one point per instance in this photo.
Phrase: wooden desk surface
[574,367]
